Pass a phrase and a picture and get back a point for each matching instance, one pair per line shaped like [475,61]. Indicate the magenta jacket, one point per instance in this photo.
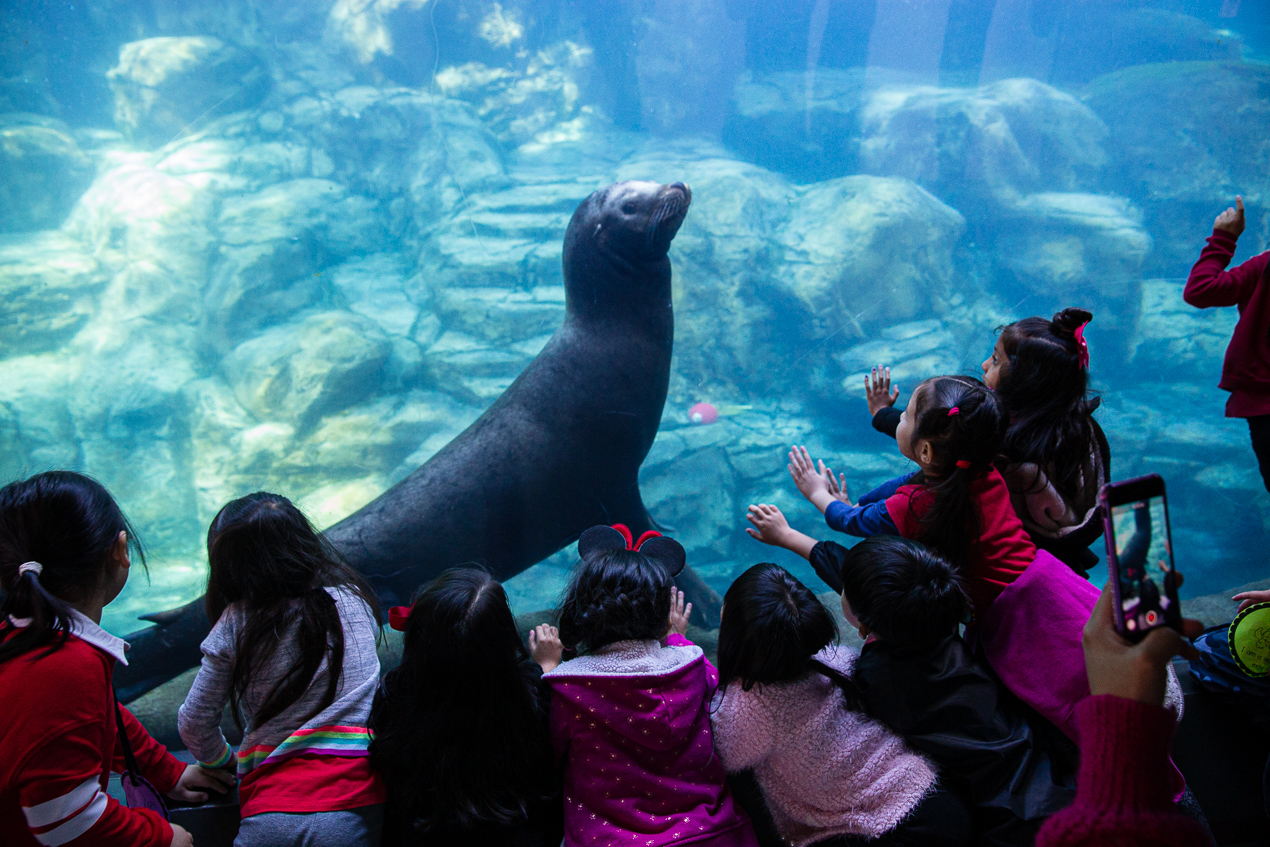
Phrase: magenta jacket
[631,726]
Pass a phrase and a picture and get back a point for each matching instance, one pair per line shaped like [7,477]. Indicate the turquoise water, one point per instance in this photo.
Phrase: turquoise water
[300,246]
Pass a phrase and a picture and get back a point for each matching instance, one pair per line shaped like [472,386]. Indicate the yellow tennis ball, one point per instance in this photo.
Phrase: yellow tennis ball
[1249,637]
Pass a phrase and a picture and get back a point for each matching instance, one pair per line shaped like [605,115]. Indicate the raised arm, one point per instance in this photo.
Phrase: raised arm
[1210,284]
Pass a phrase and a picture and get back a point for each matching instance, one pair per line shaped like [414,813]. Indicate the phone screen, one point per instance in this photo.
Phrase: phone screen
[1144,554]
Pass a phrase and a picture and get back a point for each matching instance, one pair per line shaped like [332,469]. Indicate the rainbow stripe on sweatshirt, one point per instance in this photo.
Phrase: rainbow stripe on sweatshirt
[343,741]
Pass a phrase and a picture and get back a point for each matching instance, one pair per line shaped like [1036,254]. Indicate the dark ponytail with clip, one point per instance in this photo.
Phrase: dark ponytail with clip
[963,421]
[1044,387]
[57,533]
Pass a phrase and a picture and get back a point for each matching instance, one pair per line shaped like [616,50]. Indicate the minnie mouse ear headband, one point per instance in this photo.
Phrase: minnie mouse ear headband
[664,551]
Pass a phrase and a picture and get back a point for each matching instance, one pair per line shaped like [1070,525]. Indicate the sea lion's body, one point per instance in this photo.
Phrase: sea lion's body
[558,452]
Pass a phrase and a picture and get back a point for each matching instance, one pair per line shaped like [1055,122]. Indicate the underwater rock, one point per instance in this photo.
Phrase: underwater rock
[274,245]
[48,283]
[379,287]
[135,213]
[968,146]
[1184,158]
[478,371]
[913,351]
[166,86]
[986,145]
[42,172]
[297,372]
[1176,340]
[1076,248]
[501,316]
[519,102]
[35,390]
[865,251]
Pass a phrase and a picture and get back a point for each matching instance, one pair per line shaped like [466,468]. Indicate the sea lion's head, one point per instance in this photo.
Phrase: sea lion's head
[629,222]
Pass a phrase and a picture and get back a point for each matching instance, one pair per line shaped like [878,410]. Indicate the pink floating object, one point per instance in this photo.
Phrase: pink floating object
[703,413]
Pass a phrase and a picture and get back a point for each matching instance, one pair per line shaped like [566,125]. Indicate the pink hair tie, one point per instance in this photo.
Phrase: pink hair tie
[963,464]
[1082,346]
[955,410]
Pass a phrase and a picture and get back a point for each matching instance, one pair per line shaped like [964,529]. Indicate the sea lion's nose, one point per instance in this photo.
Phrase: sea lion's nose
[687,191]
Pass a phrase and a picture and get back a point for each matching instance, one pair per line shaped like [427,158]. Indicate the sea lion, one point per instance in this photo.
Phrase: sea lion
[557,453]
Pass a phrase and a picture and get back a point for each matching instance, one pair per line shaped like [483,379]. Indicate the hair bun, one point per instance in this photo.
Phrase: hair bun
[1069,320]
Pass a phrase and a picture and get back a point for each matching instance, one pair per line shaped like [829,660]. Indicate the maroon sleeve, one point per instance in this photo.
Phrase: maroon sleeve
[156,763]
[1210,284]
[1123,794]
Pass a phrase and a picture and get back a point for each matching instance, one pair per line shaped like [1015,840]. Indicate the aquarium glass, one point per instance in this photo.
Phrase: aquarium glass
[299,246]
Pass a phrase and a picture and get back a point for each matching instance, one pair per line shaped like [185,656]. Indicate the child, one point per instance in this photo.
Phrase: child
[1054,456]
[917,676]
[460,726]
[1027,608]
[64,555]
[1246,370]
[292,650]
[630,715]
[823,769]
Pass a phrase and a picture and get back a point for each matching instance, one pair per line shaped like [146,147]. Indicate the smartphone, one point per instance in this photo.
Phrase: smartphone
[1140,555]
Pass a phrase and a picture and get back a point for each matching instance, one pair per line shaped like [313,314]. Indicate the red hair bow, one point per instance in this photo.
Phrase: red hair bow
[1082,346]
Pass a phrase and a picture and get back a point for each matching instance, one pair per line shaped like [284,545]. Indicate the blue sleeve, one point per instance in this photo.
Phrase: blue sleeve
[862,519]
[884,490]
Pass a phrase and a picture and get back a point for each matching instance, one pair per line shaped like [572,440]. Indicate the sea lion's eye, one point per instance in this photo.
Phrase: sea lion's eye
[628,208]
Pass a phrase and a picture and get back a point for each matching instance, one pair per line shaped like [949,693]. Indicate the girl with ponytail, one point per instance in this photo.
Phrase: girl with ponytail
[292,652]
[1027,609]
[809,766]
[1055,458]
[65,554]
[630,718]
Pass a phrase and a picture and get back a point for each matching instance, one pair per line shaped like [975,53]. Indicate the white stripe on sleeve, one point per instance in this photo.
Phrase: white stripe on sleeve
[77,825]
[63,807]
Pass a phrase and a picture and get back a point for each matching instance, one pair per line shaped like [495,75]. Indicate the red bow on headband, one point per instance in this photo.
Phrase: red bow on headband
[1082,346]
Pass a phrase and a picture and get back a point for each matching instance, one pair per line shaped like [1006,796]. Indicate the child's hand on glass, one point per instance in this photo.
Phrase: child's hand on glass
[770,527]
[878,391]
[545,646]
[816,484]
[1250,598]
[679,613]
[1232,220]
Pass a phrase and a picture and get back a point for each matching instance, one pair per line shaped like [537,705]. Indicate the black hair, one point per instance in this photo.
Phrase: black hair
[615,595]
[263,553]
[457,731]
[903,591]
[964,443]
[70,525]
[1044,388]
[772,627]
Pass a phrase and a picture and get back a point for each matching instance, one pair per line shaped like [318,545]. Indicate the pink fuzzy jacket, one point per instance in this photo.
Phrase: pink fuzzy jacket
[825,770]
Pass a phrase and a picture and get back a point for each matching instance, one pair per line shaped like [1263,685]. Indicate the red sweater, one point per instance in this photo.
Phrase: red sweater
[1246,371]
[58,745]
[1000,554]
[1123,793]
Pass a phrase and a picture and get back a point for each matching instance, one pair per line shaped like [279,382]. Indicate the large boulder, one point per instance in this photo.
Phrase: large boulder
[49,284]
[42,172]
[296,373]
[865,251]
[1060,249]
[274,246]
[1184,158]
[1177,341]
[166,86]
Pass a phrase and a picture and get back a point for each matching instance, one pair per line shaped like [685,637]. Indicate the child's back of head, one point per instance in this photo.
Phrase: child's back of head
[58,531]
[615,595]
[904,593]
[265,556]
[772,628]
[458,733]
[962,421]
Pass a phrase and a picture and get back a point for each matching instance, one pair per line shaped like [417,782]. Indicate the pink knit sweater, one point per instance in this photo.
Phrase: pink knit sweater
[824,770]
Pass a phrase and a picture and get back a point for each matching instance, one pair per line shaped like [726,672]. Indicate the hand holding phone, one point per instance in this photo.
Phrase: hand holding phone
[1140,556]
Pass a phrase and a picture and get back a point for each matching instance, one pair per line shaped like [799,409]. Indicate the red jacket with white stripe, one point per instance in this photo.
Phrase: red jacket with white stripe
[58,745]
